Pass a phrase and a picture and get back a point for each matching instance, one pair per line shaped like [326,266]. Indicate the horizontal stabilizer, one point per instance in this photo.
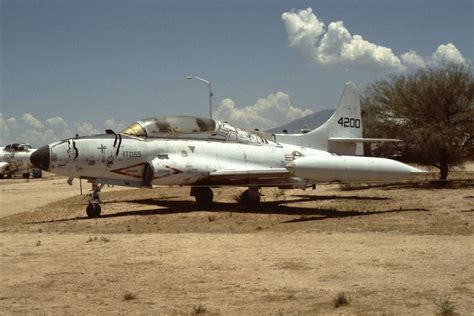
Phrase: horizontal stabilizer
[364,140]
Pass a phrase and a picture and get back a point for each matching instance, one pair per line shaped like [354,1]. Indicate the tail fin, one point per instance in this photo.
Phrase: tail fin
[336,133]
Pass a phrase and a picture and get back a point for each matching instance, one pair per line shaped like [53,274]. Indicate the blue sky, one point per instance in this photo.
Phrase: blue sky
[82,66]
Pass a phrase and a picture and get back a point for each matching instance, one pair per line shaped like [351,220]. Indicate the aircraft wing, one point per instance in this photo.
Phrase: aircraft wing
[363,140]
[270,173]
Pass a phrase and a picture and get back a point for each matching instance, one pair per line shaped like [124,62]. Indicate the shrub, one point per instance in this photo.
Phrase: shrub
[129,296]
[200,309]
[445,307]
[340,300]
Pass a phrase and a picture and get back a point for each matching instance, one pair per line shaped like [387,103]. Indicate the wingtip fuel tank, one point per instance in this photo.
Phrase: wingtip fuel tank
[331,168]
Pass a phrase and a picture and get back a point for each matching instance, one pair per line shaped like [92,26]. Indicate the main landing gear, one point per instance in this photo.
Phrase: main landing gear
[204,195]
[251,196]
[93,208]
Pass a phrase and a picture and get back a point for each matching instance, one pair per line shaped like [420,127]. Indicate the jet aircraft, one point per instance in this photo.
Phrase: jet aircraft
[204,153]
[15,159]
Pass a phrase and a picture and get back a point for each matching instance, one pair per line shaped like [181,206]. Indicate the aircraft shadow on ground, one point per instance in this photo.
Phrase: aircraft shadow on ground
[166,207]
[269,207]
[276,208]
[338,197]
[305,214]
[321,214]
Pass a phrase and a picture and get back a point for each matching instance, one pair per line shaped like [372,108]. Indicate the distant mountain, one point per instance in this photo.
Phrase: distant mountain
[309,121]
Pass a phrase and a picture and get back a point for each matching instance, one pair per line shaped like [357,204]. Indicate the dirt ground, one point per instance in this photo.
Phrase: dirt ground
[392,249]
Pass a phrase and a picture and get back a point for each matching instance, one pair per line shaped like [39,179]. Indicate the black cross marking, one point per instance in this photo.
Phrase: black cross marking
[102,148]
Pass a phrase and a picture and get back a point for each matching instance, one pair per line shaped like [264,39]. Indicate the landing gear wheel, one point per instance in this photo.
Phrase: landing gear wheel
[93,210]
[203,195]
[26,175]
[250,197]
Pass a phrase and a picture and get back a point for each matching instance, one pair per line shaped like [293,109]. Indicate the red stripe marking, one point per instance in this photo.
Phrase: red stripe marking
[123,172]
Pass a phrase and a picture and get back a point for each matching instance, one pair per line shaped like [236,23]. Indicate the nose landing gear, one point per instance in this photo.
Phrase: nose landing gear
[93,208]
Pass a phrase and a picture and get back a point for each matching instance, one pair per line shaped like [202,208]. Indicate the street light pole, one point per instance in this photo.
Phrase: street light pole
[208,83]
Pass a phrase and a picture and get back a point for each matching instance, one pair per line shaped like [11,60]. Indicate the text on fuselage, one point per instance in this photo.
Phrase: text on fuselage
[131,154]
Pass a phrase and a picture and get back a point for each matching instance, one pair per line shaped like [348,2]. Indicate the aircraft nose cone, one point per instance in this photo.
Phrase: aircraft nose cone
[41,158]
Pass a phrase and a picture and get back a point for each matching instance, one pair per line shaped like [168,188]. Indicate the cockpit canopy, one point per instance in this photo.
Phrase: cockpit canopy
[17,147]
[190,127]
[170,125]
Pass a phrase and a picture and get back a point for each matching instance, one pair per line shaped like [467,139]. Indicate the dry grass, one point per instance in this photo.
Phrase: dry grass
[341,299]
[445,307]
[128,296]
[290,256]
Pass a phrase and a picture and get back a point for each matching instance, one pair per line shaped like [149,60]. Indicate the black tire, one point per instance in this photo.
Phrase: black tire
[148,174]
[93,210]
[203,195]
[245,198]
[36,173]
[26,175]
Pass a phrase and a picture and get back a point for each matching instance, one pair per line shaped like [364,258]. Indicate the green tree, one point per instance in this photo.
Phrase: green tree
[431,110]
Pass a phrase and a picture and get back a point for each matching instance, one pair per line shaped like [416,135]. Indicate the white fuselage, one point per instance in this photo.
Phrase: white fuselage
[123,161]
[175,161]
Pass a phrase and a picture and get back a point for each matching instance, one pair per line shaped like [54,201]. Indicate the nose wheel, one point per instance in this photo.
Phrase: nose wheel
[93,208]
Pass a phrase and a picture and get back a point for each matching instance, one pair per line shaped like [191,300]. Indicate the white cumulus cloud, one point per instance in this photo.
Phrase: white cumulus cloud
[303,29]
[444,54]
[57,121]
[11,122]
[272,111]
[114,125]
[448,53]
[337,46]
[4,130]
[413,60]
[3,123]
[31,120]
[36,137]
[31,130]
[85,129]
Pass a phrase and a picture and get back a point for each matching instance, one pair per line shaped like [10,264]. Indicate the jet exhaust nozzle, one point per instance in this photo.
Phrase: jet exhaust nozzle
[41,158]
